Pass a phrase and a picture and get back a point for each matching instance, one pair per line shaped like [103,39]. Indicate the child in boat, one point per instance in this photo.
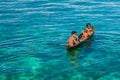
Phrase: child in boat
[73,40]
[84,36]
[89,28]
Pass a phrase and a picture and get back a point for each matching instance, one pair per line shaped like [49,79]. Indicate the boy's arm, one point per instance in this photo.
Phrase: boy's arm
[76,42]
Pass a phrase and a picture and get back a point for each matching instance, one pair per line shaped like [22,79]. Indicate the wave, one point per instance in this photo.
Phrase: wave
[108,32]
[10,20]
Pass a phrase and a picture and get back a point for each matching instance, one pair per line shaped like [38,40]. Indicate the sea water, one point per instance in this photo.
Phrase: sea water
[33,36]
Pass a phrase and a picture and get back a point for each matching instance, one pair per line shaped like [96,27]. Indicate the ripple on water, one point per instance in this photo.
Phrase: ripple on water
[34,34]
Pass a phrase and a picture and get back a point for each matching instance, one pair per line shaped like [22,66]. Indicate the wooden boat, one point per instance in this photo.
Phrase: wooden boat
[80,44]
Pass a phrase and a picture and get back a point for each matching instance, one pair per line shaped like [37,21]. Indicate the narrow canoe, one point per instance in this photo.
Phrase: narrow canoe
[80,44]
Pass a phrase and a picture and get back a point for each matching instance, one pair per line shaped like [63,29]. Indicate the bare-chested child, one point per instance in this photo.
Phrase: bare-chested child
[84,35]
[73,40]
[89,29]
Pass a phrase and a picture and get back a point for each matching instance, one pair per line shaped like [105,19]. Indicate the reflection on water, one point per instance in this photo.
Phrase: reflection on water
[73,55]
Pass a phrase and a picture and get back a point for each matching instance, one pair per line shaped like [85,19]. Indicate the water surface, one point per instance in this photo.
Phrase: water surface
[33,35]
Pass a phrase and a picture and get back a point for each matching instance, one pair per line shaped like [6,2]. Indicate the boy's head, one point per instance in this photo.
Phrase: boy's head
[85,31]
[88,25]
[73,33]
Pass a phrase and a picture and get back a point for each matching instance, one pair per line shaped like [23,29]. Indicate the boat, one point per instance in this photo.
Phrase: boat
[80,44]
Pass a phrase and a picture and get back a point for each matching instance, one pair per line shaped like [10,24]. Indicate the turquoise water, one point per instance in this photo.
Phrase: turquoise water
[33,35]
